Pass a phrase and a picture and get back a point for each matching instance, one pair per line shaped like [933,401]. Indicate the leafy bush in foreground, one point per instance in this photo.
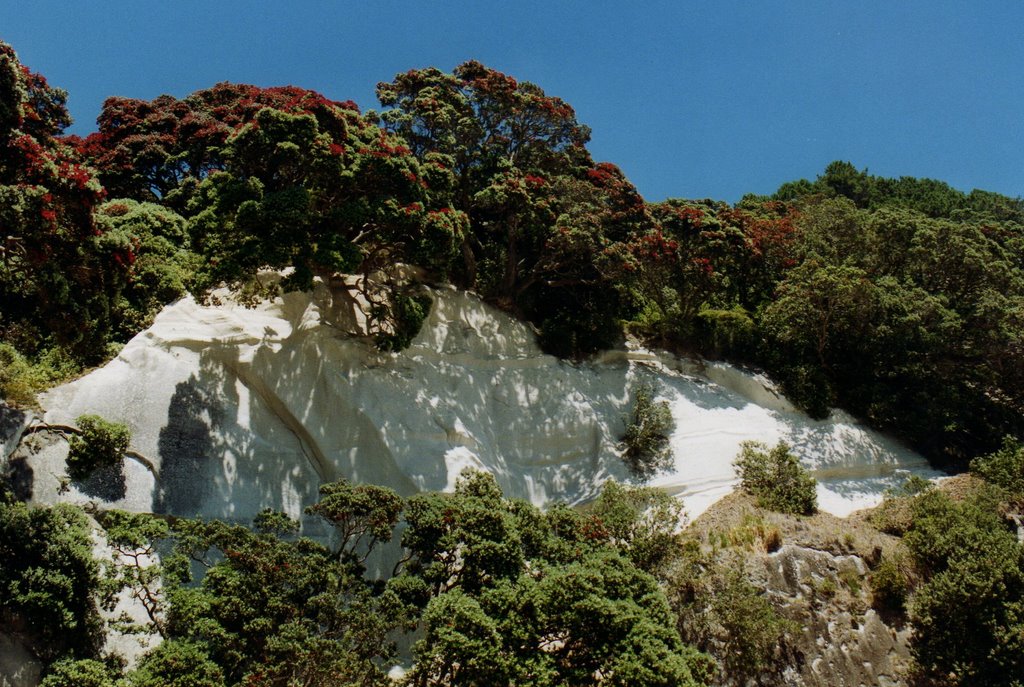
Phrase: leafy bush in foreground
[968,615]
[1004,468]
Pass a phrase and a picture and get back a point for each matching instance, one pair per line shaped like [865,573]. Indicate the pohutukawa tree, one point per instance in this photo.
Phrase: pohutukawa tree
[52,276]
[544,219]
[283,177]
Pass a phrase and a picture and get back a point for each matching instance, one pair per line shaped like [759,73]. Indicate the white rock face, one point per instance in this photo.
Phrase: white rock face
[244,409]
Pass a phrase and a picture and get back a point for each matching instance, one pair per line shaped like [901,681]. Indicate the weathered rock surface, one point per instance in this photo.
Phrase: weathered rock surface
[18,668]
[819,578]
[242,409]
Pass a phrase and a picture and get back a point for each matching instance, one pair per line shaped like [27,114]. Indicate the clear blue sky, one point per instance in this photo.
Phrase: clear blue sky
[691,99]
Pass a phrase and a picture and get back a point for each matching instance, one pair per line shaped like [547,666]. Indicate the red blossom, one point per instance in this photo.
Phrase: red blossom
[704,264]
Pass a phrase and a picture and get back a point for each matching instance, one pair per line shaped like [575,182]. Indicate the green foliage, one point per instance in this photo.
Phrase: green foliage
[1004,468]
[177,663]
[641,522]
[543,598]
[817,307]
[49,581]
[967,613]
[82,673]
[323,191]
[52,278]
[726,333]
[718,610]
[927,196]
[286,610]
[646,441]
[909,320]
[100,444]
[409,312]
[134,540]
[149,240]
[22,378]
[362,515]
[502,593]
[547,228]
[776,478]
[891,581]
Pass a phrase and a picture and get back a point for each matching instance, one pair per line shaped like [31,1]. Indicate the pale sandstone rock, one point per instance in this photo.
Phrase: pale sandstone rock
[242,409]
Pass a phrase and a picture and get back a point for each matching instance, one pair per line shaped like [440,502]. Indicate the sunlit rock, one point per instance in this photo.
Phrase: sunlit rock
[240,409]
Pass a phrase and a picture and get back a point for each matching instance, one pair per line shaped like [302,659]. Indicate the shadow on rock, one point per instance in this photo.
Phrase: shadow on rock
[107,483]
[20,478]
[186,449]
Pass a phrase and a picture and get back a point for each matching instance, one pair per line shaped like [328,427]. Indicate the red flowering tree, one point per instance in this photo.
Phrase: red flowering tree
[543,218]
[52,276]
[313,186]
[707,264]
[158,149]
[272,178]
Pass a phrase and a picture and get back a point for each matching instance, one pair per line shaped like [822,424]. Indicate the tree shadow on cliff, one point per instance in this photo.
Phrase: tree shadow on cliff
[186,448]
[545,429]
[20,478]
[224,452]
[106,483]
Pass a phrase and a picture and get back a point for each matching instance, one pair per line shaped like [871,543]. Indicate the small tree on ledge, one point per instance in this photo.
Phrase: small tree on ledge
[100,444]
[776,478]
[647,450]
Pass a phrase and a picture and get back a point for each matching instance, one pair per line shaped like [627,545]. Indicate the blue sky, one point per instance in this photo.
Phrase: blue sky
[691,99]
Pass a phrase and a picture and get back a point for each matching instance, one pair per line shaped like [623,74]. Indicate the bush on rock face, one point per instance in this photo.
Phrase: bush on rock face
[776,478]
[101,444]
[646,438]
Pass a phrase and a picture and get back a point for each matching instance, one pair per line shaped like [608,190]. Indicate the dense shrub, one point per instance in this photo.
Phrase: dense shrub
[86,672]
[647,450]
[22,378]
[49,579]
[776,478]
[150,240]
[101,444]
[968,614]
[1004,468]
[641,522]
[177,663]
[890,581]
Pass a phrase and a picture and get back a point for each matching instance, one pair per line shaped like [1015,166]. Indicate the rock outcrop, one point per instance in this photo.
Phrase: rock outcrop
[817,576]
[242,409]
